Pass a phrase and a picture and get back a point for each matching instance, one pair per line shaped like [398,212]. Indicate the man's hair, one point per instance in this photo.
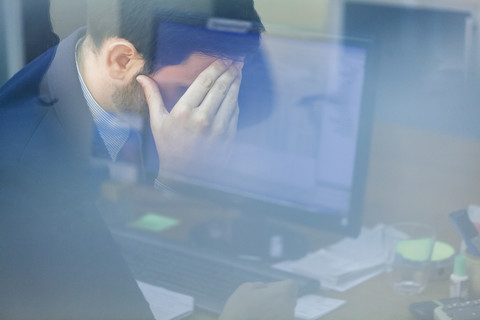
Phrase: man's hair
[138,21]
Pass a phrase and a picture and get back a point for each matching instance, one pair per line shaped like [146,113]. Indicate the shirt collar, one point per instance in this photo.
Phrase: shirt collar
[113,130]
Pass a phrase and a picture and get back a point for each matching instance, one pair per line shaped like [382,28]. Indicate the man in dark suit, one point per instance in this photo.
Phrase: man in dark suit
[57,258]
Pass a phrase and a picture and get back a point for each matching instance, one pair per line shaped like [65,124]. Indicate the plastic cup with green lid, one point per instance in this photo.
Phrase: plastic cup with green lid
[409,247]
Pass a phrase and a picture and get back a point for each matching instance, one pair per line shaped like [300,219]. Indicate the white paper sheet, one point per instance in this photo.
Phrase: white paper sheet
[166,304]
[312,307]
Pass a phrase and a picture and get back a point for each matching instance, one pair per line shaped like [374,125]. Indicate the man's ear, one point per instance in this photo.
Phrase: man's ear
[123,61]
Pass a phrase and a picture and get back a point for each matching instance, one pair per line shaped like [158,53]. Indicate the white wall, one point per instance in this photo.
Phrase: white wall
[67,16]
[11,24]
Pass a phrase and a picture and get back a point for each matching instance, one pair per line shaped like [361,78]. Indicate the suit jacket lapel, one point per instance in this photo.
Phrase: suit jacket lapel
[61,88]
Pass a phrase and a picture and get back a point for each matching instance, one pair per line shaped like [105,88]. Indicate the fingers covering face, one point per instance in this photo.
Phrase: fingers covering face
[202,85]
[228,108]
[223,95]
[156,106]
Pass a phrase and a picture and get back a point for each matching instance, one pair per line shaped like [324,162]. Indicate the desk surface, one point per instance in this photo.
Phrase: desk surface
[373,300]
[414,175]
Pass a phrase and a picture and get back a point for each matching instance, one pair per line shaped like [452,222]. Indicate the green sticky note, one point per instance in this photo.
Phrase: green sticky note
[155,222]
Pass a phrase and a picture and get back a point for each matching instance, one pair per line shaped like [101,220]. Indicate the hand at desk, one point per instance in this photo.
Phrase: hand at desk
[262,301]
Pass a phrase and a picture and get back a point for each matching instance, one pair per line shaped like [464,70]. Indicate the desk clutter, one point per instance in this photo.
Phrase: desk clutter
[350,262]
[463,302]
[467,223]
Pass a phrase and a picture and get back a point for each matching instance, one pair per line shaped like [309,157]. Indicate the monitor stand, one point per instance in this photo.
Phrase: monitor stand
[250,238]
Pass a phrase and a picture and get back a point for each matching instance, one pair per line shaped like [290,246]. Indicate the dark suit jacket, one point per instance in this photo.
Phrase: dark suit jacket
[57,257]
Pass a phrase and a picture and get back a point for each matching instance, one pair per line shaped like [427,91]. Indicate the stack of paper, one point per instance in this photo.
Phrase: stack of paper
[344,264]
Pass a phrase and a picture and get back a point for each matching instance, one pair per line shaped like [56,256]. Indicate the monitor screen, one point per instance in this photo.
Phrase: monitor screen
[305,160]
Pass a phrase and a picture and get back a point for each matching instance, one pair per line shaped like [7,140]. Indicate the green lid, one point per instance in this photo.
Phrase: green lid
[415,249]
[419,250]
[442,251]
[460,266]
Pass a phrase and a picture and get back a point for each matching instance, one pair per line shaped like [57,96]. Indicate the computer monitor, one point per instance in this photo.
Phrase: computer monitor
[305,160]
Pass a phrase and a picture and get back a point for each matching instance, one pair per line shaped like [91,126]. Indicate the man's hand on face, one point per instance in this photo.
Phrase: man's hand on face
[201,123]
[262,301]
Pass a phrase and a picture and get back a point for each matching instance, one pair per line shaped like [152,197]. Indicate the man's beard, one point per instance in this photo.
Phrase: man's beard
[130,99]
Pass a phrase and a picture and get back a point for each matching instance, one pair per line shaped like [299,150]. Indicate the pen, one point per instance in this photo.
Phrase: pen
[467,230]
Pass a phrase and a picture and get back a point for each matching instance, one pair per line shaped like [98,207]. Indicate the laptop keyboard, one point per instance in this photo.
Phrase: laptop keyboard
[209,278]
